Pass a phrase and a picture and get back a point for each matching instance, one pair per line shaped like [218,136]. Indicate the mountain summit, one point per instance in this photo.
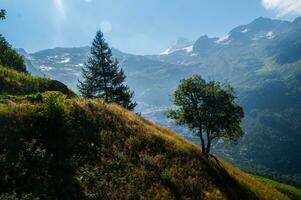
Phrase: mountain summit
[181,43]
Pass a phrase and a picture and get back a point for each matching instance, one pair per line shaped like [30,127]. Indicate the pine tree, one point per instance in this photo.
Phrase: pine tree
[102,77]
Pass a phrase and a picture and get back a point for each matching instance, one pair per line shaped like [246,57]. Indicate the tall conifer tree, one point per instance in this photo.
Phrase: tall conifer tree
[102,77]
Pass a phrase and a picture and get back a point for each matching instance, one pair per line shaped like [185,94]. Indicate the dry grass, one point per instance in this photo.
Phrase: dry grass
[261,190]
[131,159]
[258,188]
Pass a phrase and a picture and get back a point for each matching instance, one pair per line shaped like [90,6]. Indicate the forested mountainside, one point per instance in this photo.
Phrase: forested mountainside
[261,60]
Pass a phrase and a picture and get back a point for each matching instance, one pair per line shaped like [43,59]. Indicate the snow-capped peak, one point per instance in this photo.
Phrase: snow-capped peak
[168,51]
[180,44]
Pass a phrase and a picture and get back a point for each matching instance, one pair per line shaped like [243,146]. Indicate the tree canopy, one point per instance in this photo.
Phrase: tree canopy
[9,56]
[103,78]
[208,109]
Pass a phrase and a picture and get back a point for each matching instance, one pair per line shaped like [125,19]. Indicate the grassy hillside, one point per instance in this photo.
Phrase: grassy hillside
[268,91]
[18,83]
[74,149]
[292,192]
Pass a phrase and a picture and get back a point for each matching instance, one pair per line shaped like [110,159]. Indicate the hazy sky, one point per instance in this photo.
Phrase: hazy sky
[134,26]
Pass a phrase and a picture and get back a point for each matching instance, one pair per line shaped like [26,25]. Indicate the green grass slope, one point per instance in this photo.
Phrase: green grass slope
[74,149]
[13,82]
[292,192]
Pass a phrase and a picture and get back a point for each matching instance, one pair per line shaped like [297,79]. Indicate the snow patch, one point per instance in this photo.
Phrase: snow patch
[188,49]
[166,52]
[79,65]
[51,57]
[270,35]
[66,60]
[46,68]
[223,40]
[245,30]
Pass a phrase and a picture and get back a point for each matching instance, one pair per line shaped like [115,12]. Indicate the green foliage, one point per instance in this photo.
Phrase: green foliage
[103,78]
[207,108]
[33,98]
[15,197]
[9,57]
[292,192]
[73,149]
[13,82]
[286,48]
[54,100]
[17,83]
[273,112]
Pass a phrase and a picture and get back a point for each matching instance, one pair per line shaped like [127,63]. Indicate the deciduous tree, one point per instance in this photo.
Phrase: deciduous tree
[208,109]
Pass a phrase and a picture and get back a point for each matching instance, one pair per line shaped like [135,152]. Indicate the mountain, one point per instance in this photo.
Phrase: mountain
[59,63]
[287,47]
[261,60]
[29,66]
[181,44]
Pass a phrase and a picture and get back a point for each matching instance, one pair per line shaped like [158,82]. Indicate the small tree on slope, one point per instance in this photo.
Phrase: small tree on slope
[207,109]
[102,77]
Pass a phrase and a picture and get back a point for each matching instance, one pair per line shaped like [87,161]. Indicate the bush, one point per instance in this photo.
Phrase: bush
[9,57]
[53,100]
[19,83]
[15,197]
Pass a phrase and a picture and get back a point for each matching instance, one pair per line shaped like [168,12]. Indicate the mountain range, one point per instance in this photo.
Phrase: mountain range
[261,60]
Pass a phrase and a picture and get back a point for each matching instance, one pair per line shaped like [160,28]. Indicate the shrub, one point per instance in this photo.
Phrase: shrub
[18,83]
[53,100]
[14,196]
[9,57]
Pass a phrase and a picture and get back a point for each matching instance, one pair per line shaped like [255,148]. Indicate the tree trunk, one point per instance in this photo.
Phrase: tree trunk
[202,139]
[106,89]
[203,143]
[106,92]
[208,145]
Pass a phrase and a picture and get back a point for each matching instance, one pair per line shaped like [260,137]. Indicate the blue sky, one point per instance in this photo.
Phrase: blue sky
[134,26]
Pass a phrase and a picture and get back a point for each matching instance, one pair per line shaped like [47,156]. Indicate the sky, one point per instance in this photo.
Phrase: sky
[133,26]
